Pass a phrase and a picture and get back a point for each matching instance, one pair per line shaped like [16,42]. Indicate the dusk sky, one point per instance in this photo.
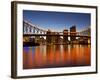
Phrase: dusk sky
[57,21]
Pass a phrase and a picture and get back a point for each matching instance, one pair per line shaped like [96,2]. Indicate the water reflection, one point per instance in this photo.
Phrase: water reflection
[48,56]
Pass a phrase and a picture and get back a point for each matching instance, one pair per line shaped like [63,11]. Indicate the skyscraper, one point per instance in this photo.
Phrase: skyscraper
[65,36]
[73,33]
[48,38]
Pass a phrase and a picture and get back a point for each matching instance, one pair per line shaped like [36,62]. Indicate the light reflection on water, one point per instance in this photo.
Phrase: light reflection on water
[48,56]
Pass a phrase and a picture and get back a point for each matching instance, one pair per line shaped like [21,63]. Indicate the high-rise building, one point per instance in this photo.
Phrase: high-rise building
[65,36]
[48,38]
[52,37]
[73,33]
[57,38]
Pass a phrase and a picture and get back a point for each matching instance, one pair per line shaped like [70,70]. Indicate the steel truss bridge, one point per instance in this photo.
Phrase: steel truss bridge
[30,29]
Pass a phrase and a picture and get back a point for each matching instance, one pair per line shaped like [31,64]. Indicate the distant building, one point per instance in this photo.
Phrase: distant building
[73,33]
[37,39]
[48,38]
[65,36]
[52,38]
[42,40]
[57,38]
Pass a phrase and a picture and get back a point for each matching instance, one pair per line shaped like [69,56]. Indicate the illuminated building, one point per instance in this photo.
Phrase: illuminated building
[73,33]
[48,38]
[65,36]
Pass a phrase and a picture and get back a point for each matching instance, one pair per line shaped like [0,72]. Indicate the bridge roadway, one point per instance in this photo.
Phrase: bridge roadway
[57,35]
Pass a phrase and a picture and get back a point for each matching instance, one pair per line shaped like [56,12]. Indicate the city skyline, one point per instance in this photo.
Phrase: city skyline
[57,21]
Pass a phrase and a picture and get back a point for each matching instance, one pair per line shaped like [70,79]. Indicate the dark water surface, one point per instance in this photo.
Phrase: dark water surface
[50,56]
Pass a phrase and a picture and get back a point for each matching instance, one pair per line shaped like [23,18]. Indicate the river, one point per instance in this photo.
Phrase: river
[51,56]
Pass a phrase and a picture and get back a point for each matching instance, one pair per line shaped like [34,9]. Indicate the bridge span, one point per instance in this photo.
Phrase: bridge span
[33,31]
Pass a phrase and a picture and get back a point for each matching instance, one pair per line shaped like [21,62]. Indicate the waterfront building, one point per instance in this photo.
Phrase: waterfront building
[73,34]
[57,38]
[65,36]
[37,39]
[48,38]
[52,38]
[42,40]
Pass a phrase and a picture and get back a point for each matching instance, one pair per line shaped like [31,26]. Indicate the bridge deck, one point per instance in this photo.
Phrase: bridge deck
[56,35]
